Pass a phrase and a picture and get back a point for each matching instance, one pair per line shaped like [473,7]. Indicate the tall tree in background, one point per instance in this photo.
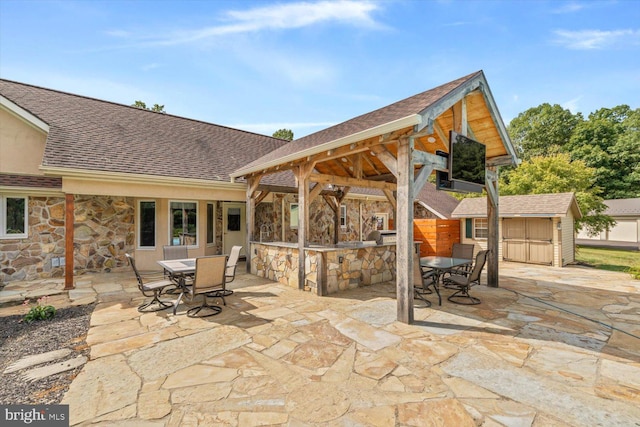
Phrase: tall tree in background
[543,130]
[558,174]
[284,134]
[609,142]
[156,107]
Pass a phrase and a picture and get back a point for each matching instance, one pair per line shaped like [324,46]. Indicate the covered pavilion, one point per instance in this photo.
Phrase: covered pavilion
[392,149]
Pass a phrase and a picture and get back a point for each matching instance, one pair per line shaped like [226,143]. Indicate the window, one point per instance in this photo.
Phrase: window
[146,224]
[293,219]
[211,223]
[343,216]
[468,228]
[183,217]
[13,217]
[480,230]
[234,218]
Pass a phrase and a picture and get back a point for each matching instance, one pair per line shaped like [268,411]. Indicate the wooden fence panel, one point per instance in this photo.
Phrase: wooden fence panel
[437,235]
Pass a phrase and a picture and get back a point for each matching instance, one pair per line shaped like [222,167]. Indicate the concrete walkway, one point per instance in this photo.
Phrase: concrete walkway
[550,347]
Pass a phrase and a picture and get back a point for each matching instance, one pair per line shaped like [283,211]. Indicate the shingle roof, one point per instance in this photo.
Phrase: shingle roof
[91,134]
[531,205]
[440,202]
[623,207]
[10,180]
[398,110]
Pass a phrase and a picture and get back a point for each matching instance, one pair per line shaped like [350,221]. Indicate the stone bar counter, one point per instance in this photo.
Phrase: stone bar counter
[328,269]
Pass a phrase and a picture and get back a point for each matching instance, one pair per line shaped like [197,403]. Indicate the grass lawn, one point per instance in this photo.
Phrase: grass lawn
[608,259]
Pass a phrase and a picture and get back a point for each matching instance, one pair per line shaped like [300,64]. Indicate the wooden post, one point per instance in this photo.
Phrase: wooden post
[69,224]
[252,186]
[303,219]
[492,226]
[404,227]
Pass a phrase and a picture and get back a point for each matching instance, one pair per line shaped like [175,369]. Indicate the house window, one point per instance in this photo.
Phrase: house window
[293,218]
[468,228]
[480,230]
[147,224]
[343,216]
[234,218]
[183,217]
[13,217]
[211,223]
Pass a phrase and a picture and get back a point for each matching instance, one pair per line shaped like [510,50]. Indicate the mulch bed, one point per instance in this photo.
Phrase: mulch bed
[67,329]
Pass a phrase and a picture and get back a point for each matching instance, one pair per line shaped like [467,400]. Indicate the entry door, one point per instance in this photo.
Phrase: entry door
[234,226]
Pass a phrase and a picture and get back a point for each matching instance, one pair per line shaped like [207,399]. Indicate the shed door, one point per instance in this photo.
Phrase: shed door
[528,240]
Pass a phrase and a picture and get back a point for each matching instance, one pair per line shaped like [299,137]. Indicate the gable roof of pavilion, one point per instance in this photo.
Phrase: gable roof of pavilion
[96,136]
[419,111]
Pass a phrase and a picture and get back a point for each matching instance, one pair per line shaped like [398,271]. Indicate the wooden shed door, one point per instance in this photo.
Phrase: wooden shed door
[528,240]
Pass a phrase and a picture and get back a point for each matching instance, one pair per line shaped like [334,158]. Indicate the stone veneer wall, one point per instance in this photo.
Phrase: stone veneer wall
[104,231]
[30,259]
[321,218]
[359,267]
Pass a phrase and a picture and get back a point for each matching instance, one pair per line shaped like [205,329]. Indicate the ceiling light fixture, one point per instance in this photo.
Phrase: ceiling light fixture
[431,140]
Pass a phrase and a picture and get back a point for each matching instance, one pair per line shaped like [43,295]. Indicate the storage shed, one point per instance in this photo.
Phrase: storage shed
[536,228]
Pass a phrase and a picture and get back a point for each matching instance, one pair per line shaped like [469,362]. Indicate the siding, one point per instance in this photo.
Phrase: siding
[568,241]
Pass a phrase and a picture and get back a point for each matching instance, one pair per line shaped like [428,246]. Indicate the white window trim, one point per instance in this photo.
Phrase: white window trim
[3,217]
[343,216]
[294,227]
[215,220]
[198,219]
[475,227]
[139,224]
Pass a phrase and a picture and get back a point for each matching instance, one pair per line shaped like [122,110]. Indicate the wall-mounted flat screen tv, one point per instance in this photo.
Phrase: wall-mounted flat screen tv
[467,159]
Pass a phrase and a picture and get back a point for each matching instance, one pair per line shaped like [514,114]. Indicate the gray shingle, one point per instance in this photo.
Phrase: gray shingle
[541,205]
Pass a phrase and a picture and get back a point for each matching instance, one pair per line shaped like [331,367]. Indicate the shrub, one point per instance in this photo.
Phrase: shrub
[40,311]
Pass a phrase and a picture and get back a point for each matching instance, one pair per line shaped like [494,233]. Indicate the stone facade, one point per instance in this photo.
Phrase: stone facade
[31,258]
[271,215]
[104,231]
[344,268]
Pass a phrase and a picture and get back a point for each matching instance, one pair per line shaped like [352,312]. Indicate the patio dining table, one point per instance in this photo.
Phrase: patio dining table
[440,265]
[180,269]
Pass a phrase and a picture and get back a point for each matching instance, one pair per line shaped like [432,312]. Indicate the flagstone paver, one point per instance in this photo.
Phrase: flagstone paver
[550,347]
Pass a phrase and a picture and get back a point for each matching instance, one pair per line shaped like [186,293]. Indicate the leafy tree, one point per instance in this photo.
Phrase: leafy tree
[542,130]
[284,134]
[609,142]
[156,107]
[558,174]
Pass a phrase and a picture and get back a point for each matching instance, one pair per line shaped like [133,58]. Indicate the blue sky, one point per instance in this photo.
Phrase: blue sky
[305,65]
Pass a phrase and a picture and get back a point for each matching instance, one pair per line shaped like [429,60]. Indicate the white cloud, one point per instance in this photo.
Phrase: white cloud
[596,39]
[572,104]
[570,7]
[276,17]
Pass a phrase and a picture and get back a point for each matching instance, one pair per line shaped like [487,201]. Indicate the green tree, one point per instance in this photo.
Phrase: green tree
[542,130]
[609,142]
[286,134]
[558,174]
[142,105]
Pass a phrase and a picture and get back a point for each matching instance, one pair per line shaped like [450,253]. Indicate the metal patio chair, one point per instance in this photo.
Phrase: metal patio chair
[230,271]
[150,289]
[463,283]
[209,281]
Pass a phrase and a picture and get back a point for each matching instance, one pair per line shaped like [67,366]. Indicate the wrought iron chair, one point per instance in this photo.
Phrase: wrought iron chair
[426,278]
[150,289]
[464,251]
[463,283]
[209,281]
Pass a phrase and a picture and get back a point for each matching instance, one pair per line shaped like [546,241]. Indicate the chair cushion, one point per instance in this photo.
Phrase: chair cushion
[159,284]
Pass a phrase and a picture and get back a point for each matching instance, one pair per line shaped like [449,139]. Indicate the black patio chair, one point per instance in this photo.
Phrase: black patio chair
[150,289]
[463,283]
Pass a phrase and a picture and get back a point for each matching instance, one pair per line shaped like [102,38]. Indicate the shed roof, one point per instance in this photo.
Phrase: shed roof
[623,207]
[531,205]
[95,135]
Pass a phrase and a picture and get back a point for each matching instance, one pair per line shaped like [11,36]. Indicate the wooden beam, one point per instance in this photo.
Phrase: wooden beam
[252,185]
[315,192]
[357,166]
[505,160]
[373,166]
[260,197]
[422,158]
[391,198]
[69,226]
[303,220]
[443,137]
[493,215]
[351,182]
[421,178]
[387,159]
[404,227]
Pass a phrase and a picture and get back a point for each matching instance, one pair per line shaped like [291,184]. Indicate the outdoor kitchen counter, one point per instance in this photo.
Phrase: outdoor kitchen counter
[328,268]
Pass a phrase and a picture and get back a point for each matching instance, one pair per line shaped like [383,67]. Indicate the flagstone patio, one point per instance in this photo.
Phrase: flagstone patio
[550,347]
